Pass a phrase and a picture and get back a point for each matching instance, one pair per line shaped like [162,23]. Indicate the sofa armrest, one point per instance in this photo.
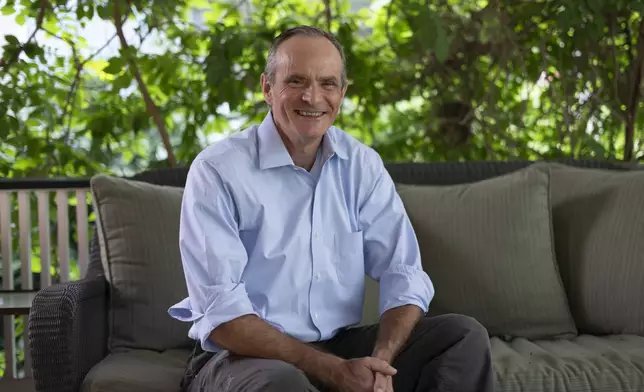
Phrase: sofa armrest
[67,333]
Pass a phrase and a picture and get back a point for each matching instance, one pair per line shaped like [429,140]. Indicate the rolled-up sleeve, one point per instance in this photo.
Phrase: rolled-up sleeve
[392,255]
[213,255]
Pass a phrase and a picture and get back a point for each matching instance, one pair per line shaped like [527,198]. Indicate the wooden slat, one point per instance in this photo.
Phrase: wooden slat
[62,209]
[6,242]
[6,245]
[10,370]
[24,239]
[26,278]
[44,238]
[83,236]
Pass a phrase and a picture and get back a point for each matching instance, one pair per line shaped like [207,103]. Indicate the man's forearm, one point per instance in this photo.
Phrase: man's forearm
[252,337]
[395,327]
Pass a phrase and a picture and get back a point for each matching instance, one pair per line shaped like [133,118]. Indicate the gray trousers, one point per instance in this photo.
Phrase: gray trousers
[443,353]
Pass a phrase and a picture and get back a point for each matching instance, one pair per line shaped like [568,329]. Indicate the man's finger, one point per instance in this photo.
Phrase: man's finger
[378,365]
[380,384]
[390,384]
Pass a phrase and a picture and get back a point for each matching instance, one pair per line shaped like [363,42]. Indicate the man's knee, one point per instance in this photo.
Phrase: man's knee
[467,324]
[455,328]
[467,329]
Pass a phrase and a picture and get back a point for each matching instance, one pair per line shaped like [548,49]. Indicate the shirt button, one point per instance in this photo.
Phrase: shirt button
[316,234]
[315,315]
[318,276]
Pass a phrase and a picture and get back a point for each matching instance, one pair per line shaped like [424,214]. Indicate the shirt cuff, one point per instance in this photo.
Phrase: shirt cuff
[404,285]
[183,311]
[224,303]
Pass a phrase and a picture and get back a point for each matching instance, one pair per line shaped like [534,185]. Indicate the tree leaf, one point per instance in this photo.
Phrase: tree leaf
[114,66]
[8,10]
[20,19]
[12,40]
[442,42]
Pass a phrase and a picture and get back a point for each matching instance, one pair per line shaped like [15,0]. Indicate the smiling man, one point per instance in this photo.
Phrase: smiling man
[280,224]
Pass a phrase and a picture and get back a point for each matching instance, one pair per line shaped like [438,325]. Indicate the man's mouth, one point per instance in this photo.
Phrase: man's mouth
[307,113]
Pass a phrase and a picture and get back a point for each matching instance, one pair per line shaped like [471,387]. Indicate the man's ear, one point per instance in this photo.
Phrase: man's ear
[266,89]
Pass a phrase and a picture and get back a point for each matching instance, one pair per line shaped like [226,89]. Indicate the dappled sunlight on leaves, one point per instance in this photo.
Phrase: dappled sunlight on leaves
[532,80]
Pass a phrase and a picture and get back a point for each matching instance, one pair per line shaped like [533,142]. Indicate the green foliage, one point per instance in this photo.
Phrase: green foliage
[470,79]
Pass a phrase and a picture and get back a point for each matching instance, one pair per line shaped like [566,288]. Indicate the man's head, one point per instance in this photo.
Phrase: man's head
[304,83]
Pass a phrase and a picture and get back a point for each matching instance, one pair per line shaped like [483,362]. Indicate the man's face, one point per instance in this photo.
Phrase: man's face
[307,92]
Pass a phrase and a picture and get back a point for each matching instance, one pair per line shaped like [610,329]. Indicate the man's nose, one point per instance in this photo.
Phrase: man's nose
[310,94]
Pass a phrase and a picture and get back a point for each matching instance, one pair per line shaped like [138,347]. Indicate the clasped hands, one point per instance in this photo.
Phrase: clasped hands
[368,374]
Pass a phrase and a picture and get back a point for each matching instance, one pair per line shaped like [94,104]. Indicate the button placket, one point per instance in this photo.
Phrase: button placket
[317,255]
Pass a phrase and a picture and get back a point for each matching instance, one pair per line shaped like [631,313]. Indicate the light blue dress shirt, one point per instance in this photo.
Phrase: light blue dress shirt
[261,236]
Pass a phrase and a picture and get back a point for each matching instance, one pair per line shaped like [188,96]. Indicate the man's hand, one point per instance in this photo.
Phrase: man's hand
[383,383]
[359,375]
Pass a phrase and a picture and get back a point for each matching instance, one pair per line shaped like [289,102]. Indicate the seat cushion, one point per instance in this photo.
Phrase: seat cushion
[598,218]
[138,232]
[488,248]
[585,363]
[138,371]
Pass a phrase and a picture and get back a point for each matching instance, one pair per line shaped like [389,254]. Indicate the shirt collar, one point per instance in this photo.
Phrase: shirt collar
[273,152]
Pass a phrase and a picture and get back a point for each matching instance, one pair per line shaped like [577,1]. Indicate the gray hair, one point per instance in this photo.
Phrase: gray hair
[307,31]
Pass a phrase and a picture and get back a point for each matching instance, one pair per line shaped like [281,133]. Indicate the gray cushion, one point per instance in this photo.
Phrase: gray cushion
[487,246]
[585,363]
[598,218]
[138,371]
[370,311]
[138,231]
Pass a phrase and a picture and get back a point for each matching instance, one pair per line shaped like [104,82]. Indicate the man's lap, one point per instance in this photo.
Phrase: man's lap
[230,372]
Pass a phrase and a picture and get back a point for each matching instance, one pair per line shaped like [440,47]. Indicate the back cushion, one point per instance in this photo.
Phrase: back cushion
[598,220]
[138,232]
[487,246]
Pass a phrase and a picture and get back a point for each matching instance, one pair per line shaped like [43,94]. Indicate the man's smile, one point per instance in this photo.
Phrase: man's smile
[308,113]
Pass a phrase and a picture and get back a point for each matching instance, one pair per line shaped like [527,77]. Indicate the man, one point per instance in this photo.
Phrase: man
[279,225]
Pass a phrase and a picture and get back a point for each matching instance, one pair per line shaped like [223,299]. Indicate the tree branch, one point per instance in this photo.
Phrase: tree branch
[152,108]
[68,109]
[637,67]
[71,101]
[109,41]
[629,40]
[389,14]
[329,15]
[5,64]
